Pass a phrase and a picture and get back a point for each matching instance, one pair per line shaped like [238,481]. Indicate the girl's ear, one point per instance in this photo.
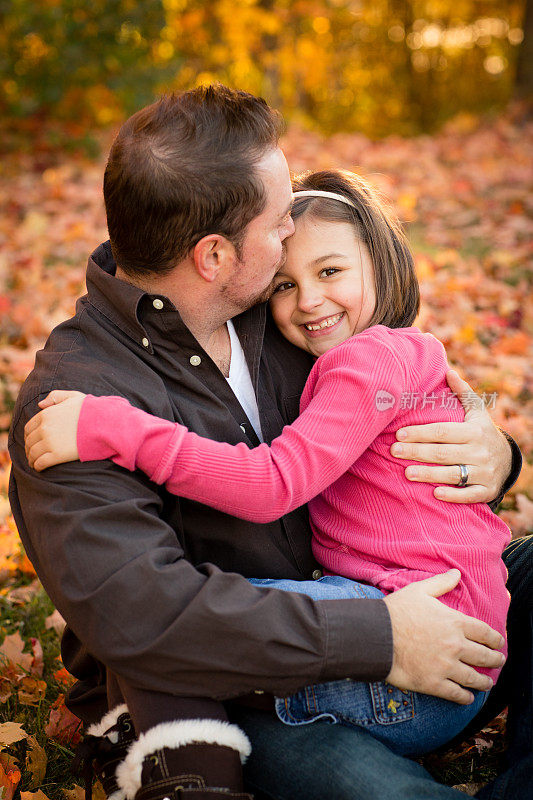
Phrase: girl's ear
[211,255]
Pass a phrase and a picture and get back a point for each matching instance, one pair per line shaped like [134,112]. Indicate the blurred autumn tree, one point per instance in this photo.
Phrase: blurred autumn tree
[378,66]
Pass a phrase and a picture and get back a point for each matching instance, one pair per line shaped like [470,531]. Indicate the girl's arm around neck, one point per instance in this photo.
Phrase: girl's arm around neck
[344,415]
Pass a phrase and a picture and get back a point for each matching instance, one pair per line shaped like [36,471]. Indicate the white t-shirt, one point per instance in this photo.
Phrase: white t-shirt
[241,382]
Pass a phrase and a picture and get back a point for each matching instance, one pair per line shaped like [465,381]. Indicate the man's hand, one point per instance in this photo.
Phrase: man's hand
[476,442]
[50,436]
[436,647]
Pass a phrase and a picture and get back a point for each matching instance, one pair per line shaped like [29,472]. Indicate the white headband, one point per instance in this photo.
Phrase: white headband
[319,193]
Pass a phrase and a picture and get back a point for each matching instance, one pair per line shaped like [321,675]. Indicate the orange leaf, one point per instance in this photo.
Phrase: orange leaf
[63,676]
[38,795]
[424,268]
[516,344]
[6,690]
[9,776]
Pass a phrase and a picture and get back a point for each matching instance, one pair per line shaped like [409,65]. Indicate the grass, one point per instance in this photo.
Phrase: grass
[469,763]
[29,620]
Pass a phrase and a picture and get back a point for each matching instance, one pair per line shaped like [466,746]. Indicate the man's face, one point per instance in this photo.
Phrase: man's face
[263,252]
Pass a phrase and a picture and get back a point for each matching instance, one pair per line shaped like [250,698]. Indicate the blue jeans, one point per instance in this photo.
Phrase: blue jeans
[409,723]
[329,762]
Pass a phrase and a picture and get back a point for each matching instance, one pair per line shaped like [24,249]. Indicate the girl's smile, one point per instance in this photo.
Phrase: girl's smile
[325,291]
[323,326]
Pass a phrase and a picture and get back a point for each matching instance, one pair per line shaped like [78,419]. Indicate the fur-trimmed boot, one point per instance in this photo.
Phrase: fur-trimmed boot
[198,759]
[103,747]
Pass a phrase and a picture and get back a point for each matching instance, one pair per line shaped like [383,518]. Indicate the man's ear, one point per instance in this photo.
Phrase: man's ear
[211,255]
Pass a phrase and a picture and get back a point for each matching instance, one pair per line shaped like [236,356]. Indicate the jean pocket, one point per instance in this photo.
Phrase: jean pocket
[390,704]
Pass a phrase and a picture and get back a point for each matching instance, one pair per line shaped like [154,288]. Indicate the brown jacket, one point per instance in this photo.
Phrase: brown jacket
[150,584]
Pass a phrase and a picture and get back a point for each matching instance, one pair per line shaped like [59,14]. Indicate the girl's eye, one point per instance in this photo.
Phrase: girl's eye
[328,272]
[282,287]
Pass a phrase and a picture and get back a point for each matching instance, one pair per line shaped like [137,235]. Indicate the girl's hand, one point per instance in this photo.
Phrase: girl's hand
[51,435]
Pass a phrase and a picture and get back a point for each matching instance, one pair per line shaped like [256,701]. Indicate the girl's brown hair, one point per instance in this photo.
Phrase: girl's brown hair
[396,284]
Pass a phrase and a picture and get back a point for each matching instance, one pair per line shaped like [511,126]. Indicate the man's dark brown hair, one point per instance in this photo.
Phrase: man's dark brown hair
[182,168]
[396,284]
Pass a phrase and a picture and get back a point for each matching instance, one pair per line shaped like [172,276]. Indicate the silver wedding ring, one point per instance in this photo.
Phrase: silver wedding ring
[464,475]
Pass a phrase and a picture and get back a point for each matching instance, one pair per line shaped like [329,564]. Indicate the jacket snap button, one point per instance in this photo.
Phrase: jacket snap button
[145,342]
[317,573]
[243,429]
[195,361]
[157,303]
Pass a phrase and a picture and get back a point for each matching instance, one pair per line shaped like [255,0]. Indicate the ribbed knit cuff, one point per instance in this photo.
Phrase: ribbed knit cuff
[359,640]
[92,444]
[516,466]
[109,427]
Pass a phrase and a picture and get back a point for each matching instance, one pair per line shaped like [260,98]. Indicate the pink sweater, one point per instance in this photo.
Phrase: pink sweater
[369,522]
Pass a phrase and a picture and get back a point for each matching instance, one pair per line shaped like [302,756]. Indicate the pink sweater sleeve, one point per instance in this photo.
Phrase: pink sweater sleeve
[109,427]
[264,483]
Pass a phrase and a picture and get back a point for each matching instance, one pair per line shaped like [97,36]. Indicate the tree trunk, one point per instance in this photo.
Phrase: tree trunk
[524,64]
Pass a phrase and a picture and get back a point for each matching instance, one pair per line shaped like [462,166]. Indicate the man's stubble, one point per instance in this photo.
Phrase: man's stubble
[254,299]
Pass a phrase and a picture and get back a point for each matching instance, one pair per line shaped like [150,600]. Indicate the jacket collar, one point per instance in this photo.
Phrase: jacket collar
[127,305]
[115,299]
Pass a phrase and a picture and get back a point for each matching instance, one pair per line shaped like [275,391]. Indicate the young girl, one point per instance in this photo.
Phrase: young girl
[347,294]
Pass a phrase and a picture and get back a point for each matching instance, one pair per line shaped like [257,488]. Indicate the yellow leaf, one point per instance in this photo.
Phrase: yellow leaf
[36,761]
[466,334]
[12,650]
[35,224]
[76,793]
[31,690]
[424,267]
[56,622]
[98,791]
[11,732]
[524,483]
[407,203]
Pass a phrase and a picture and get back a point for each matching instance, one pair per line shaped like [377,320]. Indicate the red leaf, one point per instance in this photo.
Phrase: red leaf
[62,725]
[37,664]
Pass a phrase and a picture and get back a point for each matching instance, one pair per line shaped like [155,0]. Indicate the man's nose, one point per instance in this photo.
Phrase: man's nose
[288,229]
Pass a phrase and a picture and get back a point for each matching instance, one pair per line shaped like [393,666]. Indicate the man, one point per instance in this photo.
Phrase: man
[162,629]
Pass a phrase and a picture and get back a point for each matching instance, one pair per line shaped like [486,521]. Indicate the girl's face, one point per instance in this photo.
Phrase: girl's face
[325,291]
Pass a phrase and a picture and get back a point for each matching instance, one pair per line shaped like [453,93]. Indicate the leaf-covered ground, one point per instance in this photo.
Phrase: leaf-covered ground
[464,195]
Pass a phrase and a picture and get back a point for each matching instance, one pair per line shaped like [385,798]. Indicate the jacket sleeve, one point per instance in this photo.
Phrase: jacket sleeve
[117,573]
[516,466]
[264,483]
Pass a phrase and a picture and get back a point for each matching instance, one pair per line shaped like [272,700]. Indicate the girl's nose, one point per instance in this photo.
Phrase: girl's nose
[309,299]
